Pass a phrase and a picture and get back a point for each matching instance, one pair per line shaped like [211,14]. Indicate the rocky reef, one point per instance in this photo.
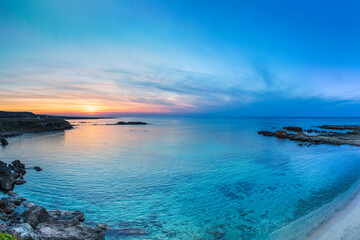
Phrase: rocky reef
[123,123]
[130,123]
[26,221]
[320,137]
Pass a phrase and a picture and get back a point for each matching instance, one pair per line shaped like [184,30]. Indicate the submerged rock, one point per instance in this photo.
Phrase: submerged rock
[134,232]
[3,141]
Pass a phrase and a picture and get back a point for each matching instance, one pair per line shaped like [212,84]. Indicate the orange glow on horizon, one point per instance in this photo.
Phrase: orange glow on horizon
[88,109]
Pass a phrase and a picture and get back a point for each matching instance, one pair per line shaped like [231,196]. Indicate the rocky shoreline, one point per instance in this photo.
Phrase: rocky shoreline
[314,136]
[25,220]
[11,127]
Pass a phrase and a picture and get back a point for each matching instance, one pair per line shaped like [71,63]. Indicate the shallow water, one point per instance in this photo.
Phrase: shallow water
[185,178]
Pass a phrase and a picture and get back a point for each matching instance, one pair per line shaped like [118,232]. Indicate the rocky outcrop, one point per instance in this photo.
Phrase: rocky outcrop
[11,127]
[293,129]
[27,221]
[4,114]
[122,123]
[340,127]
[331,138]
[31,221]
[11,174]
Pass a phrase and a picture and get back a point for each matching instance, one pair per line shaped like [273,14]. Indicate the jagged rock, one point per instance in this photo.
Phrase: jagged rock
[301,134]
[35,215]
[7,206]
[23,231]
[3,141]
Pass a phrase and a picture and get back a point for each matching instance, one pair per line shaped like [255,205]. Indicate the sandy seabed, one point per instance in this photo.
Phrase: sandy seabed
[339,219]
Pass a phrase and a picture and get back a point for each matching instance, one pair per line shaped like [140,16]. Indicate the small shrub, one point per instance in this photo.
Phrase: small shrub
[5,236]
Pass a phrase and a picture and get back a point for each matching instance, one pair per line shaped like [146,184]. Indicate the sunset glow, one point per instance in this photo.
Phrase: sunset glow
[129,57]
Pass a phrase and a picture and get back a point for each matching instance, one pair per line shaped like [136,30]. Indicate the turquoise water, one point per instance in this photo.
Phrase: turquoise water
[185,178]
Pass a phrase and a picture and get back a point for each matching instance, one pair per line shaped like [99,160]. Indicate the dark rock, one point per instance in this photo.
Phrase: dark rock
[19,181]
[300,144]
[103,226]
[17,126]
[7,184]
[7,205]
[131,123]
[3,141]
[15,217]
[293,129]
[301,134]
[340,127]
[309,130]
[37,168]
[280,133]
[35,215]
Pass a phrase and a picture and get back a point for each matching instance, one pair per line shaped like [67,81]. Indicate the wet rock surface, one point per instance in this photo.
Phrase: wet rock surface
[321,137]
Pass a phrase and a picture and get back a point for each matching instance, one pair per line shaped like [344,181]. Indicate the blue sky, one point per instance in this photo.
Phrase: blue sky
[216,58]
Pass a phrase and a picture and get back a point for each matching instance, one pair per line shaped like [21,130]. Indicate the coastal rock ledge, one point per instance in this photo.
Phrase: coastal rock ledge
[26,221]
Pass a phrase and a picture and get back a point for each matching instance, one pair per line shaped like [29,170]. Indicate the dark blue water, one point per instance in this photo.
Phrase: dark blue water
[186,178]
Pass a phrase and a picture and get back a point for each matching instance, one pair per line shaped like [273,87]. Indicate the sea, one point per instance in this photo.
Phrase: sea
[189,178]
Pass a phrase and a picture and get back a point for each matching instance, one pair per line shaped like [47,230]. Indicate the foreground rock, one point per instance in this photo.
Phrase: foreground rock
[27,221]
[11,174]
[323,137]
[31,221]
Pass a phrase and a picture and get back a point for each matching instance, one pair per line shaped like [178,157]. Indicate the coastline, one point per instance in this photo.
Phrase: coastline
[343,225]
[321,223]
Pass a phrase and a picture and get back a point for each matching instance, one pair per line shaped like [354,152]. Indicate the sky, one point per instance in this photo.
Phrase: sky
[179,57]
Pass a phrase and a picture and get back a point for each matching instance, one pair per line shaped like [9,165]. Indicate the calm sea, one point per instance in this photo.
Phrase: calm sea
[187,178]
